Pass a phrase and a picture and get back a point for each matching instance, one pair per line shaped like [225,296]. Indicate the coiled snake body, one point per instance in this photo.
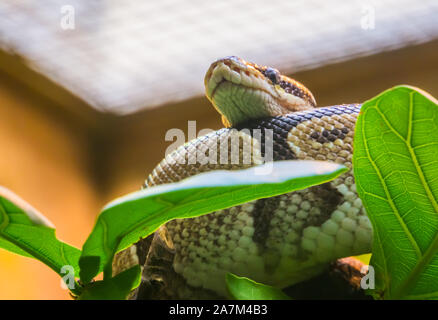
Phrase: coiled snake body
[278,241]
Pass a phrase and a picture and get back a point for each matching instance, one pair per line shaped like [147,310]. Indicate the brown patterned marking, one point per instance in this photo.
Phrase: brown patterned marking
[321,140]
[158,267]
[143,248]
[329,198]
[263,211]
[335,132]
[329,135]
[331,138]
[315,135]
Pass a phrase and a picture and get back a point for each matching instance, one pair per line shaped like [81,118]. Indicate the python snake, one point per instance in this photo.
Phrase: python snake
[277,241]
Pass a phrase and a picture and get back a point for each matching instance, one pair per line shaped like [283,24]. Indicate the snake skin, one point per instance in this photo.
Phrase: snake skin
[278,241]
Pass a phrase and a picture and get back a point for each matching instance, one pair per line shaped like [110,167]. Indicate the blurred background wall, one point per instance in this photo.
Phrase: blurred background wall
[88,89]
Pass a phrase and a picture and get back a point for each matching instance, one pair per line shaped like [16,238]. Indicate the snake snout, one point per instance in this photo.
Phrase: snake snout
[230,69]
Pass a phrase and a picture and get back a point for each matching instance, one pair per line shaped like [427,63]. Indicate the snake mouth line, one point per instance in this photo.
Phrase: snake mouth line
[224,81]
[216,87]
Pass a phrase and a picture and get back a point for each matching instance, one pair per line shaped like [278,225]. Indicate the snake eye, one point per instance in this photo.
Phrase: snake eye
[272,75]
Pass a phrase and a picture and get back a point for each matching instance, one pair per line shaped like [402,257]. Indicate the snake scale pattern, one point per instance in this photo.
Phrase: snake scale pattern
[277,241]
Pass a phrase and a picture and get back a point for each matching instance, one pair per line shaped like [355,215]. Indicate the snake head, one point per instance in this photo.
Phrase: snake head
[241,91]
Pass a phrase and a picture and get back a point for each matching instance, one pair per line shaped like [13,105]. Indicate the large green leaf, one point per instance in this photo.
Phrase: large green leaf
[126,220]
[23,230]
[242,288]
[396,172]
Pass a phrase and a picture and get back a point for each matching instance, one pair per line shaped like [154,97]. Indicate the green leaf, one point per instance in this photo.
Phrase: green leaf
[25,231]
[116,288]
[396,172]
[242,288]
[127,219]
